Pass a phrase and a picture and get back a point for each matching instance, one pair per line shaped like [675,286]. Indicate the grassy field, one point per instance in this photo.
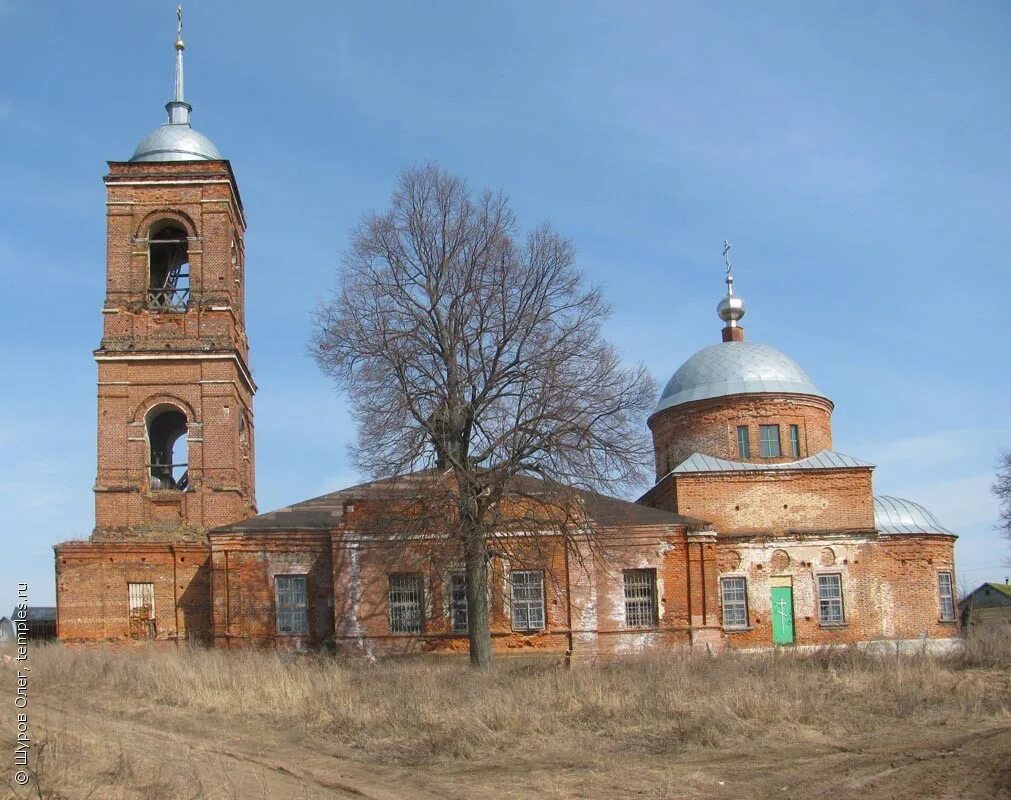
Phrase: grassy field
[639,727]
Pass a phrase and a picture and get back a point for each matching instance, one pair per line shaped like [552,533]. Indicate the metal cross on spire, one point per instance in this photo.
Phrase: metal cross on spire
[730,267]
[178,109]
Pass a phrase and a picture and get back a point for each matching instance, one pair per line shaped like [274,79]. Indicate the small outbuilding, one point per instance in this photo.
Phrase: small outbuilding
[6,630]
[41,621]
[988,605]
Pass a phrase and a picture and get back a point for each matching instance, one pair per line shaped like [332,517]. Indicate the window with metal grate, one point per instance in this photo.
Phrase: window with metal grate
[830,599]
[735,602]
[527,599]
[405,603]
[640,598]
[292,604]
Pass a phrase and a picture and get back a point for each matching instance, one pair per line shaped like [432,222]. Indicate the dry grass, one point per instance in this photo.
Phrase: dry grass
[441,714]
[414,711]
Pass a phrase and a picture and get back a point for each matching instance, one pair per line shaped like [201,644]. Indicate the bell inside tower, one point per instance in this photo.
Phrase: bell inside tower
[169,283]
[168,468]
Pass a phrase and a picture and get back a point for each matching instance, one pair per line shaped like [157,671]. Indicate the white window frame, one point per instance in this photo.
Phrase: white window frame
[527,606]
[827,601]
[946,616]
[640,597]
[456,606]
[291,604]
[734,604]
[406,603]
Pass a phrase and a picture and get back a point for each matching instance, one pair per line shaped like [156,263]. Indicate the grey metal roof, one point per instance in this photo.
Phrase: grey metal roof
[37,613]
[176,142]
[735,368]
[826,459]
[326,512]
[896,515]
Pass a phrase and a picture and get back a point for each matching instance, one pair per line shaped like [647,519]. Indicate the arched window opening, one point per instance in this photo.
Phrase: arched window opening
[169,269]
[168,467]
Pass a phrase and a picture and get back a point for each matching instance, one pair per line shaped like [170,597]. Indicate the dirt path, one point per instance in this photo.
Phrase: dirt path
[157,752]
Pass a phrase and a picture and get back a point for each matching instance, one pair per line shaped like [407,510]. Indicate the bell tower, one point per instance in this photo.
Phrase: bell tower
[175,394]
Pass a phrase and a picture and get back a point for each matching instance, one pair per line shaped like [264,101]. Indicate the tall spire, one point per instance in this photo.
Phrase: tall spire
[731,307]
[178,109]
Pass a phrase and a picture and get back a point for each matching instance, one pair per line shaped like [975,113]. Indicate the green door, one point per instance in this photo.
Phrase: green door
[782,615]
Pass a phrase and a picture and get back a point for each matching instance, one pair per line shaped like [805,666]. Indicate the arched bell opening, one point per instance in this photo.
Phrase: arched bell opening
[168,465]
[168,268]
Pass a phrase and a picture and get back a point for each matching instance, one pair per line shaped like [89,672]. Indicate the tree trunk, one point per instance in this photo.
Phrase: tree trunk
[478,618]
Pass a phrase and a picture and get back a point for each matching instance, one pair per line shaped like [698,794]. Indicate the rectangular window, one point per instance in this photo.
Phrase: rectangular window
[735,602]
[640,598]
[141,600]
[743,442]
[292,604]
[142,625]
[528,600]
[947,596]
[458,602]
[405,603]
[769,437]
[830,605]
[795,441]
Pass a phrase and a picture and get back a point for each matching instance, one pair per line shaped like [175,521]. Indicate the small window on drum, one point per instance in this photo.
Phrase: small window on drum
[168,269]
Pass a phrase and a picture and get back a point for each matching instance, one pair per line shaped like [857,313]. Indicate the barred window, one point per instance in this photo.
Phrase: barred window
[292,604]
[735,602]
[795,441]
[743,442]
[458,602]
[527,600]
[944,588]
[640,598]
[769,440]
[405,603]
[830,601]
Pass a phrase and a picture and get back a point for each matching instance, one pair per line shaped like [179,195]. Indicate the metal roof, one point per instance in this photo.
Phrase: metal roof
[826,459]
[736,368]
[176,142]
[895,515]
[326,512]
[37,613]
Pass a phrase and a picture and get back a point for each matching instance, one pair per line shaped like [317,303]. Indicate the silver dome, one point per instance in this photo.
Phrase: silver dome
[735,368]
[175,142]
[895,515]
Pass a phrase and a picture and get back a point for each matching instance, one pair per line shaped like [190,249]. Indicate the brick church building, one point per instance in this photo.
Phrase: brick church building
[756,532]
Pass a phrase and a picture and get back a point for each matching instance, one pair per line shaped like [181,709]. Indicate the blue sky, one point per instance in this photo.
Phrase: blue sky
[855,153]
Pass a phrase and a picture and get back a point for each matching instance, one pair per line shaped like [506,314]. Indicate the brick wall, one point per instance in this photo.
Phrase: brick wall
[774,501]
[244,568]
[710,427]
[889,585]
[195,361]
[92,596]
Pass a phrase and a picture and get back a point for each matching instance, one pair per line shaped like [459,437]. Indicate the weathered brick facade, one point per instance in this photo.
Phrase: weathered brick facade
[178,351]
[756,532]
[710,427]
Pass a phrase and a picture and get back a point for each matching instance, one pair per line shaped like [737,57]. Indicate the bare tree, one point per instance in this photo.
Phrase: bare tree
[1002,488]
[468,348]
